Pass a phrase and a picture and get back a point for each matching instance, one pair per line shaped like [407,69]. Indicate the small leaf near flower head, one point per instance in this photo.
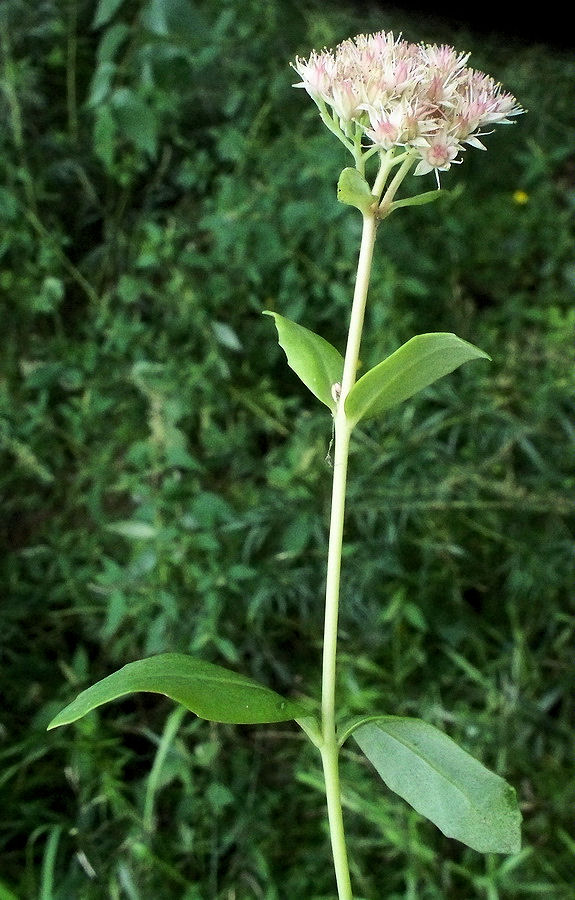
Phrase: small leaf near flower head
[353,189]
[418,199]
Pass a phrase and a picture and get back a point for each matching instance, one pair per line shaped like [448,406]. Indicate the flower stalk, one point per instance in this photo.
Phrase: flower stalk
[342,434]
[329,749]
[416,106]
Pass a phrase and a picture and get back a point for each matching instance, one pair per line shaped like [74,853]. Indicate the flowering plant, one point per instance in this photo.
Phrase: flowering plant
[413,108]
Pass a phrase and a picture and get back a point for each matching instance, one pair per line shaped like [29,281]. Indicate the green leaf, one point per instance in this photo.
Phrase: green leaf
[6,893]
[209,691]
[101,86]
[417,364]
[353,189]
[418,199]
[104,136]
[347,727]
[174,18]
[112,40]
[104,12]
[137,120]
[317,362]
[134,530]
[442,782]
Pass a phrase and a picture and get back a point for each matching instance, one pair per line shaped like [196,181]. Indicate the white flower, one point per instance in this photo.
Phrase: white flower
[387,128]
[438,151]
[405,95]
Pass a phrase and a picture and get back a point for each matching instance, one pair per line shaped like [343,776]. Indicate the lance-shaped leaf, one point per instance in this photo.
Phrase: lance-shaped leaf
[418,199]
[315,360]
[417,364]
[353,189]
[209,691]
[442,782]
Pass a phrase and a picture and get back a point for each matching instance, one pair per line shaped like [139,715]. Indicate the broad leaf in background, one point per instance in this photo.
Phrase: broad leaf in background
[313,359]
[105,11]
[442,782]
[414,366]
[6,893]
[209,691]
[136,119]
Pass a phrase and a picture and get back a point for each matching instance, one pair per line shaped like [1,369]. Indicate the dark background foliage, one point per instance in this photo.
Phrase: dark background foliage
[164,482]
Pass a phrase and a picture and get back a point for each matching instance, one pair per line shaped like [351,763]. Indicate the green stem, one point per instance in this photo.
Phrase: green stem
[329,746]
[71,65]
[386,164]
[330,122]
[9,87]
[170,731]
[387,199]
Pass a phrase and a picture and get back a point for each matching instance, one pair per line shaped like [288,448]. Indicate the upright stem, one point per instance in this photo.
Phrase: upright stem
[329,747]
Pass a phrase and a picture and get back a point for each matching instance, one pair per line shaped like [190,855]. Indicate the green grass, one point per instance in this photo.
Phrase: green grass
[164,481]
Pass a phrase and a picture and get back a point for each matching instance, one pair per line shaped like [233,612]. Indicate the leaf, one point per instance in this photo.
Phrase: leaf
[137,120]
[209,691]
[112,40]
[226,336]
[134,530]
[313,359]
[6,893]
[104,12]
[174,18]
[104,136]
[414,366]
[418,199]
[353,189]
[442,782]
[100,86]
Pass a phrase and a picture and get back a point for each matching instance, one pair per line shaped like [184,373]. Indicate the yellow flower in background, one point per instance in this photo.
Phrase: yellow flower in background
[520,198]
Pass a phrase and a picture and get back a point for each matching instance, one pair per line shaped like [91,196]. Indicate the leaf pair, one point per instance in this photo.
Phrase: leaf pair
[419,763]
[353,190]
[414,366]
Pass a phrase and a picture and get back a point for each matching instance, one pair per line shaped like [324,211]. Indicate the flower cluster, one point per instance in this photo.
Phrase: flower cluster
[399,94]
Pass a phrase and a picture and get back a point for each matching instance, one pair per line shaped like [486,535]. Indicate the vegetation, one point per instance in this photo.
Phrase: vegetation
[165,478]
